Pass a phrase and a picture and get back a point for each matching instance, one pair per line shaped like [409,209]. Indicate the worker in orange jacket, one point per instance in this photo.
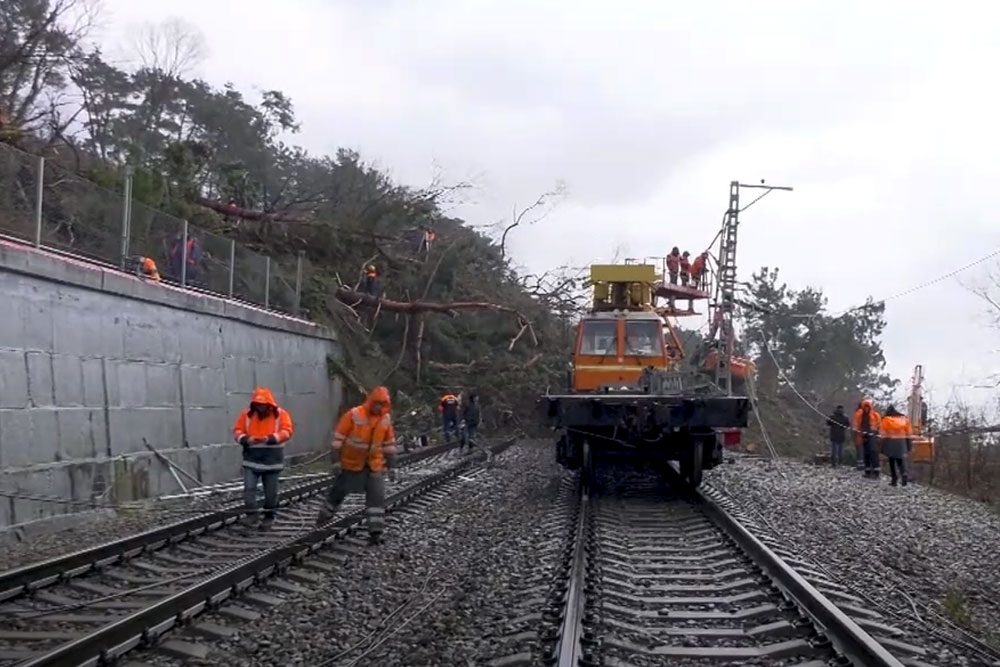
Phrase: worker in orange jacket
[448,407]
[366,443]
[698,269]
[674,264]
[866,425]
[262,429]
[685,267]
[896,435]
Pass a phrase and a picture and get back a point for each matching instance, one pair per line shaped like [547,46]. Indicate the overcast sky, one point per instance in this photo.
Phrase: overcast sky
[882,116]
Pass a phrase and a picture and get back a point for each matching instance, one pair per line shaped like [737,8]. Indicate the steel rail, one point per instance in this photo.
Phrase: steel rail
[143,627]
[569,649]
[845,635]
[23,580]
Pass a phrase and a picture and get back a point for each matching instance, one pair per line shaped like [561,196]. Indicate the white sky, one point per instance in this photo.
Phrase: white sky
[882,115]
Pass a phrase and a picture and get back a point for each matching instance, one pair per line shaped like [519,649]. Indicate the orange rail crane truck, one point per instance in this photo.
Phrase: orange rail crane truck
[630,398]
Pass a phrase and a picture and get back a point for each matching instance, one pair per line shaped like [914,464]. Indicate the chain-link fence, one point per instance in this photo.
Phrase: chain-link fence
[46,205]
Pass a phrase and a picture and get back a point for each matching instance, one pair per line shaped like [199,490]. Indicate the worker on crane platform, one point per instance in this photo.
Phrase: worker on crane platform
[699,270]
[866,425]
[674,264]
[896,433]
[685,268]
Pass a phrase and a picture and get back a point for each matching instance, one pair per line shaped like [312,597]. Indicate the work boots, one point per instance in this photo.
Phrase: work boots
[374,538]
[324,516]
[267,523]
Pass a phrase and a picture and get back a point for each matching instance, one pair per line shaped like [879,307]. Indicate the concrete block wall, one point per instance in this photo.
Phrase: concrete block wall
[92,361]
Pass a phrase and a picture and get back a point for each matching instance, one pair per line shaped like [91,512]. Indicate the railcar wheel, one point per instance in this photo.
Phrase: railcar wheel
[587,463]
[691,464]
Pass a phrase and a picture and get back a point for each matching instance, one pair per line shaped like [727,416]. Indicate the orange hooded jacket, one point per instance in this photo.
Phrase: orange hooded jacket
[874,421]
[365,438]
[273,431]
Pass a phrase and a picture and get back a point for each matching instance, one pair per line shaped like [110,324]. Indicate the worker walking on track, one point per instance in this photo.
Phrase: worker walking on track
[838,424]
[448,407]
[262,429]
[470,417]
[867,423]
[366,443]
[896,433]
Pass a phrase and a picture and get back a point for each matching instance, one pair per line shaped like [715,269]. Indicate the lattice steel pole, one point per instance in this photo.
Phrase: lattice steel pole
[298,283]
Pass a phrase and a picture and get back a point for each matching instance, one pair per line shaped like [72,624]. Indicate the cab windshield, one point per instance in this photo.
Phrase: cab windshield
[643,339]
[600,338]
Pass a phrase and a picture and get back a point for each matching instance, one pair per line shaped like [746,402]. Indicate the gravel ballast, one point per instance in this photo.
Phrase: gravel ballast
[908,548]
[461,582]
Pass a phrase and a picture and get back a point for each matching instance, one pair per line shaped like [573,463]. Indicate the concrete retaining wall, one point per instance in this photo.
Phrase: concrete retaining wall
[92,361]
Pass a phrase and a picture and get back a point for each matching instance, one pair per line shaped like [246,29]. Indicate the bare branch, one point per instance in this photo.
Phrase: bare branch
[544,202]
[173,47]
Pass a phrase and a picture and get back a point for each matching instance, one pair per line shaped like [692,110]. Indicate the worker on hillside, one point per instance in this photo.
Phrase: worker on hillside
[896,433]
[366,443]
[838,423]
[448,407]
[369,284]
[471,419]
[262,430]
[867,423]
[685,268]
[699,270]
[427,240]
[144,267]
[674,264]
[177,256]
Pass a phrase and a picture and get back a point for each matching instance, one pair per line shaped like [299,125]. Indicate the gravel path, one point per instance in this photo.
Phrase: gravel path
[904,547]
[461,582]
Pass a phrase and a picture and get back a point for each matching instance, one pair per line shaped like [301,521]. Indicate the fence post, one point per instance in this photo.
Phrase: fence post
[232,266]
[298,284]
[267,281]
[184,254]
[39,195]
[126,215]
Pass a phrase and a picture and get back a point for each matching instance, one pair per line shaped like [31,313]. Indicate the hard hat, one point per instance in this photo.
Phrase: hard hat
[370,267]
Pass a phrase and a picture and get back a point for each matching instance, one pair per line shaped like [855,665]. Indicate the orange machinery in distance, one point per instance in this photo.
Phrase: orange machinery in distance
[916,412]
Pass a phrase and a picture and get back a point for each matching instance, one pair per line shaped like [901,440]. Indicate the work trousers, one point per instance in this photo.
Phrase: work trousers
[372,484]
[897,464]
[470,434]
[836,452]
[269,478]
[449,427]
[859,456]
[673,277]
[872,465]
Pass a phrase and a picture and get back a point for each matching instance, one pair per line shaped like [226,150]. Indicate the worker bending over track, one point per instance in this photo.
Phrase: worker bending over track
[262,429]
[366,443]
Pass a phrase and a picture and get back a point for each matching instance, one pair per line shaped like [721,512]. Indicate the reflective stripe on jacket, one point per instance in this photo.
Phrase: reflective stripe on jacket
[264,456]
[366,439]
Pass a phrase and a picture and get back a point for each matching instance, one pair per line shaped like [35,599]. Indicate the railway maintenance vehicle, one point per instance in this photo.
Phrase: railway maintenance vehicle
[634,395]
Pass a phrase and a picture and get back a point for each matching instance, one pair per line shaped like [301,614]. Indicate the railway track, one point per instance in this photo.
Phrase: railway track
[91,607]
[653,577]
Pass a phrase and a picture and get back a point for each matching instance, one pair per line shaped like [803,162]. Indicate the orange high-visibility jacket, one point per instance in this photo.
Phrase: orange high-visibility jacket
[267,455]
[363,438]
[697,266]
[673,263]
[874,423]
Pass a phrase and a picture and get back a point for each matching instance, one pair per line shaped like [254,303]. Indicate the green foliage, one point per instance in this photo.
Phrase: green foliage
[836,357]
